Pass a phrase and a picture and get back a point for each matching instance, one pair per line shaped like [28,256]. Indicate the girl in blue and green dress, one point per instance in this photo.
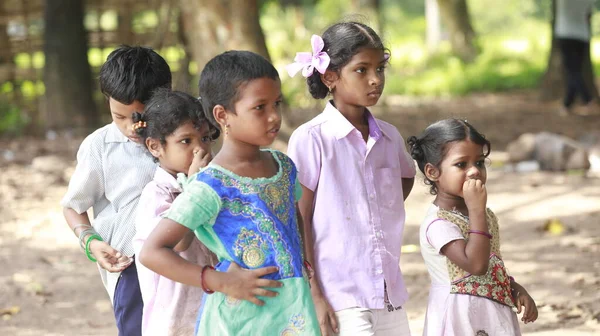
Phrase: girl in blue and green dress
[243,207]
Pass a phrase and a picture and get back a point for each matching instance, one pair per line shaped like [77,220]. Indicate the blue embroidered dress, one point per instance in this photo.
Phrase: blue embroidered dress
[251,222]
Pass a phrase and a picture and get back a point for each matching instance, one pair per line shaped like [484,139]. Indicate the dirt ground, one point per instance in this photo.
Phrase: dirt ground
[47,286]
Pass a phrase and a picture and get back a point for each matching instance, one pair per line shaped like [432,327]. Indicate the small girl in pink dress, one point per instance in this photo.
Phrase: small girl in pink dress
[471,292]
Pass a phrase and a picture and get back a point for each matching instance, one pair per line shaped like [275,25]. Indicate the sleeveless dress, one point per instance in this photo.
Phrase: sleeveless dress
[251,222]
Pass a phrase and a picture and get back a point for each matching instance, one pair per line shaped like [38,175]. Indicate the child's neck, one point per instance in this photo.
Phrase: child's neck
[451,202]
[356,115]
[238,151]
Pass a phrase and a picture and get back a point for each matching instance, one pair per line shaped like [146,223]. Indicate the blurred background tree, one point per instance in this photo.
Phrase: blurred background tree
[50,52]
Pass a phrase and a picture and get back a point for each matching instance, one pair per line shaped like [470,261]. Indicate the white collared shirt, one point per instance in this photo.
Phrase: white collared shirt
[110,175]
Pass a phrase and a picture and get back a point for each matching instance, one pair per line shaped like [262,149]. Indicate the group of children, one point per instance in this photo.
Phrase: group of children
[251,241]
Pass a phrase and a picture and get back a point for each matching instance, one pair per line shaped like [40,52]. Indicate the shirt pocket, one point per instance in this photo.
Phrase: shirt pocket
[389,188]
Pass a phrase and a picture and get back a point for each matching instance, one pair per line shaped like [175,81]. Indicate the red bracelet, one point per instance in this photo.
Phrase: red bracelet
[481,233]
[202,282]
[310,269]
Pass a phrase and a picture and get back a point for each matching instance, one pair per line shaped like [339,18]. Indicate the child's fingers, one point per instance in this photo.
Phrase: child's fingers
[266,283]
[519,305]
[265,292]
[333,321]
[256,301]
[259,272]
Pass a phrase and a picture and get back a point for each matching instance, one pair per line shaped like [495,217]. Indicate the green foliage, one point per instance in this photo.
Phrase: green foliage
[12,120]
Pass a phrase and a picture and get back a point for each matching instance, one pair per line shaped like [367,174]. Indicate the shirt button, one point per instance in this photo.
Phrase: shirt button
[371,196]
[379,271]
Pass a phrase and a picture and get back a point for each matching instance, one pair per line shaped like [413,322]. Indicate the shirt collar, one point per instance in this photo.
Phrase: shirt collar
[341,127]
[163,178]
[114,135]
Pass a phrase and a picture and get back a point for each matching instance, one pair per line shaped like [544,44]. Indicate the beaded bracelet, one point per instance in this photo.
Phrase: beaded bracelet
[87,246]
[202,282]
[481,233]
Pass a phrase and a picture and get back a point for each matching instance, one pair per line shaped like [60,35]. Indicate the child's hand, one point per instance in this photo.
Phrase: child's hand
[201,159]
[475,195]
[247,285]
[326,316]
[526,304]
[109,258]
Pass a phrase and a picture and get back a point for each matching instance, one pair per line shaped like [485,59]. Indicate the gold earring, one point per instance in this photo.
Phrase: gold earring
[227,129]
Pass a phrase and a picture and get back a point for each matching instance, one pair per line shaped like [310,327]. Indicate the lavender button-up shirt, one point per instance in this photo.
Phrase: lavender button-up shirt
[358,217]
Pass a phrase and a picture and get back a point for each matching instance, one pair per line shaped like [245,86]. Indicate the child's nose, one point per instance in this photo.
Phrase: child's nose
[473,172]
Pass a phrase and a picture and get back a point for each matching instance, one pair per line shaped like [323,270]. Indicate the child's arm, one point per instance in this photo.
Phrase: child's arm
[472,256]
[86,187]
[407,185]
[524,302]
[201,159]
[325,313]
[157,254]
[106,256]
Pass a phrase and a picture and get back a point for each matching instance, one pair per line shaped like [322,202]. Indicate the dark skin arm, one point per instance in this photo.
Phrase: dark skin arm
[325,314]
[524,303]
[472,256]
[107,257]
[407,185]
[157,254]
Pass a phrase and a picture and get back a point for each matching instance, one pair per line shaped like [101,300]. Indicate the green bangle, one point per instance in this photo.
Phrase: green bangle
[87,246]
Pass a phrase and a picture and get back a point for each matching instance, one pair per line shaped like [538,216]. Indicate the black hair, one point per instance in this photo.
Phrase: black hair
[225,75]
[166,111]
[342,41]
[431,145]
[133,73]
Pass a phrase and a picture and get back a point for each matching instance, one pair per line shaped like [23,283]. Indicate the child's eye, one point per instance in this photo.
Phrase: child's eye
[480,163]
[361,70]
[381,68]
[206,139]
[260,107]
[185,141]
[461,165]
[278,103]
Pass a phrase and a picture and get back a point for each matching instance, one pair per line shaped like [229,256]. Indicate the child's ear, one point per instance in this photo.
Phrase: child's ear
[431,172]
[329,78]
[220,114]
[154,147]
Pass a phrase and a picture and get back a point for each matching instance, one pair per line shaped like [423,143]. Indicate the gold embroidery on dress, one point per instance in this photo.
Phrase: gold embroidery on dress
[495,284]
[276,195]
[251,247]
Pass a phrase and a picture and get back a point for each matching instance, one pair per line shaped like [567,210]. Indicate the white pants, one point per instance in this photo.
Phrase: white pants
[373,322]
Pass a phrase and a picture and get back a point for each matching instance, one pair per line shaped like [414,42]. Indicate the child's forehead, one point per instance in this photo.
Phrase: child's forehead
[369,55]
[263,86]
[125,109]
[463,148]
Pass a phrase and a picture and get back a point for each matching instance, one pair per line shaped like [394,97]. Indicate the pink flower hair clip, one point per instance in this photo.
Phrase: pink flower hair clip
[308,62]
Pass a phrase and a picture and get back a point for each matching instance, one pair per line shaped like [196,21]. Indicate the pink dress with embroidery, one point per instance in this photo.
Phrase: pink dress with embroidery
[461,314]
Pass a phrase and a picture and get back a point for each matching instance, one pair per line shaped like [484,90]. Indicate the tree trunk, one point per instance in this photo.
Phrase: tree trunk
[67,75]
[434,27]
[552,84]
[215,26]
[455,17]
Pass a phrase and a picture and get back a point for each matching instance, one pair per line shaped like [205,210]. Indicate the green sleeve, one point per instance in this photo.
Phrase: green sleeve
[297,189]
[198,205]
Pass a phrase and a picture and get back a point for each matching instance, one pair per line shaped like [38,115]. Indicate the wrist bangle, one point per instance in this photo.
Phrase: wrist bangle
[481,233]
[310,269]
[202,282]
[87,246]
[84,233]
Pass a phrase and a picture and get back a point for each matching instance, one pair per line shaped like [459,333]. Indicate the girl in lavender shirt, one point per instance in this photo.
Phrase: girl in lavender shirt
[355,174]
[178,137]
